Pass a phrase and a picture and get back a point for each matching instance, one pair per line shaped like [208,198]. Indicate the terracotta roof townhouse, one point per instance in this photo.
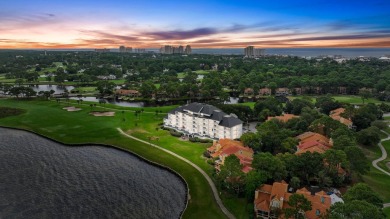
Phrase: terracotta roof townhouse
[313,142]
[271,199]
[283,118]
[124,92]
[336,115]
[265,91]
[226,147]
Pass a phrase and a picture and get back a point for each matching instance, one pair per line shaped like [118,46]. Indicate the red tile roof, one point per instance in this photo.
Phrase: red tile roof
[312,142]
[283,118]
[127,92]
[336,115]
[226,147]
[264,195]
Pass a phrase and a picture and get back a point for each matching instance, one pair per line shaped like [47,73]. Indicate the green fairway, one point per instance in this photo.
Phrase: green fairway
[85,90]
[118,81]
[250,104]
[377,180]
[382,164]
[48,118]
[344,99]
[387,212]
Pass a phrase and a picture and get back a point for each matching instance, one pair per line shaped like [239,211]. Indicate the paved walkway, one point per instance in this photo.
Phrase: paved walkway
[384,155]
[211,183]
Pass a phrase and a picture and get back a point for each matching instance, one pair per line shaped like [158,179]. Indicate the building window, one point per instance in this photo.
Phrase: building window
[318,212]
[322,199]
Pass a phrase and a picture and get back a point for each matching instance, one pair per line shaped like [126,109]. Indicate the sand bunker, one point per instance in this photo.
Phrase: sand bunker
[71,109]
[103,113]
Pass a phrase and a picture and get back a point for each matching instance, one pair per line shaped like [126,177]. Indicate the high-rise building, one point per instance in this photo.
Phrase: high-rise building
[102,50]
[122,49]
[188,50]
[129,49]
[167,49]
[251,52]
[139,50]
[181,49]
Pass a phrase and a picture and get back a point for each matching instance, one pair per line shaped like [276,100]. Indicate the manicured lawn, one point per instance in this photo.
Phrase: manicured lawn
[118,81]
[382,164]
[250,104]
[181,75]
[163,109]
[238,206]
[345,99]
[202,72]
[48,118]
[387,212]
[84,90]
[377,180]
[5,80]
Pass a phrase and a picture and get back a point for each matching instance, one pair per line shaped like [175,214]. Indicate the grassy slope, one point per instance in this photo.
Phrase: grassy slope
[49,119]
[377,180]
[250,104]
[387,212]
[345,99]
[382,164]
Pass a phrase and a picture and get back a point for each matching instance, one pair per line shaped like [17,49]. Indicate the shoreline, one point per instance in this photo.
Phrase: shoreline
[117,148]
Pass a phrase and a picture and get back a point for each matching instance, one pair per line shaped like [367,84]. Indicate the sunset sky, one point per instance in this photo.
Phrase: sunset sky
[202,23]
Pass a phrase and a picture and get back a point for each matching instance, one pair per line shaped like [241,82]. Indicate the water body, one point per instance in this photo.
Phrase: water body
[111,101]
[303,52]
[57,89]
[43,179]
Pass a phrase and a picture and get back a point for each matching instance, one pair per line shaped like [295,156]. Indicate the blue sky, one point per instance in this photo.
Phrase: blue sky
[217,24]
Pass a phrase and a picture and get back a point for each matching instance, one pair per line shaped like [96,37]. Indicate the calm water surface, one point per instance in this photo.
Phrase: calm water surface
[43,179]
[57,89]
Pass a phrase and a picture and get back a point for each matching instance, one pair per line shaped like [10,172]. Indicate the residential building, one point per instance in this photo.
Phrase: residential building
[188,50]
[204,121]
[102,50]
[248,91]
[313,142]
[122,49]
[271,200]
[226,147]
[251,52]
[282,91]
[283,118]
[106,77]
[265,91]
[129,49]
[342,90]
[167,49]
[336,115]
[130,93]
[180,49]
[139,50]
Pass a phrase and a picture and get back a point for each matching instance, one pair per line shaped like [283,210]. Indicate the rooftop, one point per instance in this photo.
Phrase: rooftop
[210,112]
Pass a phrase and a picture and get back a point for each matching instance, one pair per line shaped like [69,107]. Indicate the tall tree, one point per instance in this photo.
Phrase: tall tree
[298,204]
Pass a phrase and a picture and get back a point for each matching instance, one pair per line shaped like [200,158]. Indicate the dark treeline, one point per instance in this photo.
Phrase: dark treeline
[225,73]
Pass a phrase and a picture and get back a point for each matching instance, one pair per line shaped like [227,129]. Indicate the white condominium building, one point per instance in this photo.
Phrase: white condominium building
[205,121]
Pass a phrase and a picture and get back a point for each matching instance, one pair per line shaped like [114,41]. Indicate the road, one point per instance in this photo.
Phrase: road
[211,183]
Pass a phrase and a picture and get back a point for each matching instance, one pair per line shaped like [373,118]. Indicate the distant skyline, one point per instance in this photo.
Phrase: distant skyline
[202,24]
